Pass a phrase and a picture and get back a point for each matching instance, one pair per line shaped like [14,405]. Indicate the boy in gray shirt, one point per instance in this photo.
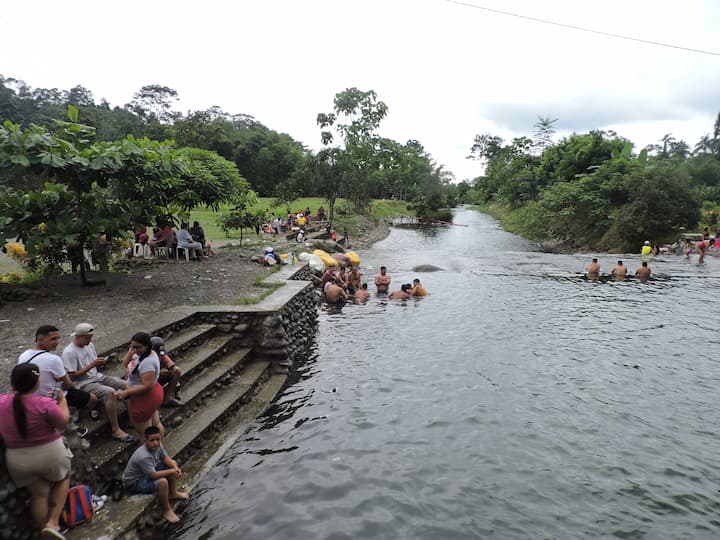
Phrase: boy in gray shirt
[151,470]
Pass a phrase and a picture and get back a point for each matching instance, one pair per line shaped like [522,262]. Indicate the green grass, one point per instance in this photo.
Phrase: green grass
[344,215]
[269,289]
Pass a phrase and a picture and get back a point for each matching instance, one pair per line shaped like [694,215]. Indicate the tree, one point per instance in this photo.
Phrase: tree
[326,175]
[542,136]
[241,215]
[355,118]
[91,189]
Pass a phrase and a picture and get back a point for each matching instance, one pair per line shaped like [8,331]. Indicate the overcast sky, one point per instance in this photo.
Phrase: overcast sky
[446,71]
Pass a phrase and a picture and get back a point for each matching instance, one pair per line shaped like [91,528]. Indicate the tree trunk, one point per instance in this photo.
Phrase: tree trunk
[83,269]
[331,204]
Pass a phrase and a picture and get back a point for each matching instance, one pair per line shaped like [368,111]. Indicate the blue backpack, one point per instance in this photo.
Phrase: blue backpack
[78,506]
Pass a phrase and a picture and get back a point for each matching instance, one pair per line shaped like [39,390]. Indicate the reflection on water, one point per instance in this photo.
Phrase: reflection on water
[517,400]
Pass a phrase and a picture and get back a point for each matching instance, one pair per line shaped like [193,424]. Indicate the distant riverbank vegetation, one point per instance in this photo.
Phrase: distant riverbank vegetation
[592,191]
[74,171]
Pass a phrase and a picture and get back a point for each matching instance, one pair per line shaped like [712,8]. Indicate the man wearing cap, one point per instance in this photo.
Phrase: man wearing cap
[169,374]
[271,258]
[81,362]
[52,371]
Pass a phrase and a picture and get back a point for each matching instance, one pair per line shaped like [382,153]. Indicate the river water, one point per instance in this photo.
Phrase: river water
[517,400]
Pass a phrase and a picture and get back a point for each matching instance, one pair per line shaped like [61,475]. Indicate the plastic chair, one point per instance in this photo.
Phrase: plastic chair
[185,250]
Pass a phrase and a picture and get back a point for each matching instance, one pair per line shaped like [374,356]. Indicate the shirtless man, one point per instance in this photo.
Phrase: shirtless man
[619,271]
[593,268]
[417,289]
[354,278]
[334,294]
[382,280]
[643,272]
[361,293]
[402,294]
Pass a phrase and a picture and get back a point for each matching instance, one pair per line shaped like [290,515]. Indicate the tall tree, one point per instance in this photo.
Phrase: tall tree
[544,130]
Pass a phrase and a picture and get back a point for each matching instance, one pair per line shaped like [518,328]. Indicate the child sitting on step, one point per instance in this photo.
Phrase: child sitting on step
[151,470]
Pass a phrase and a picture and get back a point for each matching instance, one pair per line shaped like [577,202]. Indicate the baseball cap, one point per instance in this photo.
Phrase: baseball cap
[83,329]
[158,345]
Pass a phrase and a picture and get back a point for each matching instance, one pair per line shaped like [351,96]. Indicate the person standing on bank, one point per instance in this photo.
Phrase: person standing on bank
[81,362]
[144,393]
[35,455]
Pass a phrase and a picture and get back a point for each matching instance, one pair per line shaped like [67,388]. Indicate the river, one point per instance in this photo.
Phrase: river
[518,400]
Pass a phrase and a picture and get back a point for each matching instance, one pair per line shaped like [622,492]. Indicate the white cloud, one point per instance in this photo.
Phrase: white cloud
[446,71]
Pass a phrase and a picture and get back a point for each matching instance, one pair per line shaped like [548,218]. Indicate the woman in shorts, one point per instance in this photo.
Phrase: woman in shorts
[144,394]
[35,454]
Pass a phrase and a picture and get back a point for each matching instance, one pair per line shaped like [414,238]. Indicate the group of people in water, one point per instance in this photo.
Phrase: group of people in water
[619,271]
[341,286]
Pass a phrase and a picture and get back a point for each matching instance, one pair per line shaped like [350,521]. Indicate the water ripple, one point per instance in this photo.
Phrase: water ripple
[519,400]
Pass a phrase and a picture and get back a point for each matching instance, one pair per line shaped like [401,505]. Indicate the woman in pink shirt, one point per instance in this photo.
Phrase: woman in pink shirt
[35,454]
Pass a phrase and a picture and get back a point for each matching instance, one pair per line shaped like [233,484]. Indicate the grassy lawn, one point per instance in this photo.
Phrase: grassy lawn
[344,216]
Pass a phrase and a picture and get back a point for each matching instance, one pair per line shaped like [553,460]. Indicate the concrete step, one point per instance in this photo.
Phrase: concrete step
[213,409]
[190,363]
[179,340]
[117,517]
[107,453]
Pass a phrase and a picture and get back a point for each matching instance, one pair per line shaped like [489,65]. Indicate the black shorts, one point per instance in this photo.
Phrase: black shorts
[77,398]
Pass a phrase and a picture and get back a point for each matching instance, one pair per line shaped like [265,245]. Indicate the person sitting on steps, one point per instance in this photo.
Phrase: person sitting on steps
[151,470]
[169,374]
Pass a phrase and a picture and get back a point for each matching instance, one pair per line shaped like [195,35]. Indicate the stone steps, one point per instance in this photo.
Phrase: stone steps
[190,362]
[107,453]
[197,447]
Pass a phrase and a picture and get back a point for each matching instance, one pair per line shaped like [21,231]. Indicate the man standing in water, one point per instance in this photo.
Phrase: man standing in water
[643,272]
[382,280]
[702,249]
[361,293]
[593,268]
[619,271]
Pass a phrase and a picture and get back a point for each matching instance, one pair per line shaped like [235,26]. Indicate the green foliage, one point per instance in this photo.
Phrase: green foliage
[242,215]
[588,190]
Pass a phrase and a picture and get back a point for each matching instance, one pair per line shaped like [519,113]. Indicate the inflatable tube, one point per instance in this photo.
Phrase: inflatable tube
[354,258]
[316,263]
[325,258]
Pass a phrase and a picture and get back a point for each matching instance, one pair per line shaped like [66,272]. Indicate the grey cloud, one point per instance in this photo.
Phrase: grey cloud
[581,114]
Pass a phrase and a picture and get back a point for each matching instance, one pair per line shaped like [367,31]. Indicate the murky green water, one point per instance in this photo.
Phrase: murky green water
[517,401]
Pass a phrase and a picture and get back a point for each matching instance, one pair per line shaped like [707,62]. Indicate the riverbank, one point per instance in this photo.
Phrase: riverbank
[141,289]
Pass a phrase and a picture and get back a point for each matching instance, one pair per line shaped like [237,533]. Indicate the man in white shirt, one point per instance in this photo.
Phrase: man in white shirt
[185,241]
[81,362]
[52,371]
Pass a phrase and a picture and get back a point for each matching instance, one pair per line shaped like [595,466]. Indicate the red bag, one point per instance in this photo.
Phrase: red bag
[78,506]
